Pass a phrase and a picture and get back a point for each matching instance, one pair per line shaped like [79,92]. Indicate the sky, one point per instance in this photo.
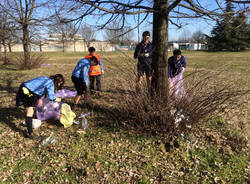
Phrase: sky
[189,25]
[174,32]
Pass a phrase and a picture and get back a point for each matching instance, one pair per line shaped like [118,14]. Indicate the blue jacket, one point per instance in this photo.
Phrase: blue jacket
[41,86]
[174,67]
[81,70]
[142,49]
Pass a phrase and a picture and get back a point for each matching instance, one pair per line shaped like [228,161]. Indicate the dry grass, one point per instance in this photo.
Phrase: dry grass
[109,152]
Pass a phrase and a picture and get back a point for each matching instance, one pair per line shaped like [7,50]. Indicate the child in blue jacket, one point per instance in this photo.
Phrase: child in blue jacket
[80,78]
[30,92]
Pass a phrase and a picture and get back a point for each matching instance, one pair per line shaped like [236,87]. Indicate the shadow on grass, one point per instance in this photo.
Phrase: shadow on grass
[8,115]
[8,86]
[8,68]
[112,120]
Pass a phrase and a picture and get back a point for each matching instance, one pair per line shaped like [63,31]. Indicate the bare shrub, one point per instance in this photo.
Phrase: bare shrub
[207,96]
[35,61]
[7,60]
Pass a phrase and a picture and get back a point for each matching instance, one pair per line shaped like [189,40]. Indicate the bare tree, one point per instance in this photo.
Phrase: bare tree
[198,36]
[88,33]
[25,14]
[113,32]
[8,34]
[119,35]
[63,32]
[186,36]
[164,12]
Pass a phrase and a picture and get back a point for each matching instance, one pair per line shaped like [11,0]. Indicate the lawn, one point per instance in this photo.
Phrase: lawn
[109,153]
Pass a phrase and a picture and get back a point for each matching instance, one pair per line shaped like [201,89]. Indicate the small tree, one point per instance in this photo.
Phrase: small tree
[24,14]
[88,33]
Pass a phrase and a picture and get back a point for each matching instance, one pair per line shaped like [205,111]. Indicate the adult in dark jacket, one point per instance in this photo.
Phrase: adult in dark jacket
[143,52]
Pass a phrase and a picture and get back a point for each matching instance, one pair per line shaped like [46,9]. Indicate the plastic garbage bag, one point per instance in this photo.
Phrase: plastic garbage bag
[52,109]
[65,93]
[49,109]
[177,86]
[67,115]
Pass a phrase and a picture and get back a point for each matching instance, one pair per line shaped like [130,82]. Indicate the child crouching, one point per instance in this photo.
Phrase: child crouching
[30,92]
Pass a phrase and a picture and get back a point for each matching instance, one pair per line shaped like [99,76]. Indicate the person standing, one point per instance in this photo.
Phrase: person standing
[176,67]
[143,53]
[95,71]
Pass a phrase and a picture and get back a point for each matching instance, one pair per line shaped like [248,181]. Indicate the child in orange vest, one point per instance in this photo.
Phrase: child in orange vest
[95,71]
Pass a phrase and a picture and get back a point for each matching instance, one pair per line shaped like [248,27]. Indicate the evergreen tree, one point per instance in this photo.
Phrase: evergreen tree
[231,33]
[221,34]
[240,33]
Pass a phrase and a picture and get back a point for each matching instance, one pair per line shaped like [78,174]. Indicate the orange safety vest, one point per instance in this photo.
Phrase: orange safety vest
[94,70]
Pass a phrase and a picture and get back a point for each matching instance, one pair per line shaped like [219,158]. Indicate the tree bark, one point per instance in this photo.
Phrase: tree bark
[9,46]
[26,47]
[160,49]
[5,61]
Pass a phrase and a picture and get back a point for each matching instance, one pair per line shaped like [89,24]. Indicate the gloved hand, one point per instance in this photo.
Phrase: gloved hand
[183,69]
[102,71]
[146,54]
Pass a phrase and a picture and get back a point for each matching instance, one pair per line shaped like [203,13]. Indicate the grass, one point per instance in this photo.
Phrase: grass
[107,153]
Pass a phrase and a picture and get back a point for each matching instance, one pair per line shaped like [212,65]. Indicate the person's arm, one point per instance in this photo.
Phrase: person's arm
[183,62]
[84,72]
[137,49]
[51,90]
[100,62]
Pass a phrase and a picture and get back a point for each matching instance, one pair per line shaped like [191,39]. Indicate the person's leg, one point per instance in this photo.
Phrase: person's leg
[148,70]
[92,83]
[140,73]
[86,97]
[149,79]
[29,116]
[77,99]
[98,82]
[19,95]
[79,88]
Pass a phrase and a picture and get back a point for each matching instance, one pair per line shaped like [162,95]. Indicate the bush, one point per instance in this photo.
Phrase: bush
[206,97]
[35,61]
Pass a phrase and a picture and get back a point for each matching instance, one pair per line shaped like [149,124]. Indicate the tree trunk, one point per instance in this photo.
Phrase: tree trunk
[26,47]
[74,45]
[63,43]
[5,61]
[160,49]
[9,46]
